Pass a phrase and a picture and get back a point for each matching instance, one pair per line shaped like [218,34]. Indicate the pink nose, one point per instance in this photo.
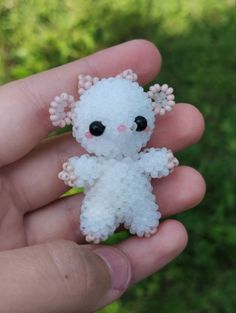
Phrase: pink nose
[88,135]
[121,128]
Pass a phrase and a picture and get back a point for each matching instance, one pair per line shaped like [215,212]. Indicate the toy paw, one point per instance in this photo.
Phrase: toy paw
[172,161]
[67,175]
[92,238]
[151,232]
[146,231]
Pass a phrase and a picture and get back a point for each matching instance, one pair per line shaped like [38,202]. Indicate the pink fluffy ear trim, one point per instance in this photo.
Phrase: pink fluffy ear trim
[85,82]
[60,110]
[129,75]
[163,98]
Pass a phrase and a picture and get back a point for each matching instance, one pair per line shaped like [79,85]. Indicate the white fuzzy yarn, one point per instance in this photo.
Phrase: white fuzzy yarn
[121,193]
[117,179]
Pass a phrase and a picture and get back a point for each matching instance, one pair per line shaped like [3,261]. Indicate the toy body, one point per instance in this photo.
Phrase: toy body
[114,119]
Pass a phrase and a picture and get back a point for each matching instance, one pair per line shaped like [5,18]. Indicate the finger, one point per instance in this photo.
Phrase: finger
[183,189]
[178,129]
[148,255]
[61,277]
[41,167]
[24,103]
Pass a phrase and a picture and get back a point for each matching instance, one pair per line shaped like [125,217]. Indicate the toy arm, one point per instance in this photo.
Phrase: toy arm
[157,162]
[80,171]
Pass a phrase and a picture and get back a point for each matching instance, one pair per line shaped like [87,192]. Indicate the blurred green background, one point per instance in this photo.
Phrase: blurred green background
[197,41]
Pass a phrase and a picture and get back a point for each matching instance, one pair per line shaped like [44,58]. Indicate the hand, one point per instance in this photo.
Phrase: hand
[42,268]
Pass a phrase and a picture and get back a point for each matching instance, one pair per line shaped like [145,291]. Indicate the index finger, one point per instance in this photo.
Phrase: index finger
[24,103]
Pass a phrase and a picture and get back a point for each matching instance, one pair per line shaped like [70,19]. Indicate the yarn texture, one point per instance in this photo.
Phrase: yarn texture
[113,120]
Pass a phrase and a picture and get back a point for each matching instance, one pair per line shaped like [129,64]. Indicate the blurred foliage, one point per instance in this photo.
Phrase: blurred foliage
[197,41]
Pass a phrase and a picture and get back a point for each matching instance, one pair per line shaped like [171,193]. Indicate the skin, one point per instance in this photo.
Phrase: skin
[43,265]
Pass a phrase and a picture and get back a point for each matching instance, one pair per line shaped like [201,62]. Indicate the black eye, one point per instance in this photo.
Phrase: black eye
[141,123]
[96,128]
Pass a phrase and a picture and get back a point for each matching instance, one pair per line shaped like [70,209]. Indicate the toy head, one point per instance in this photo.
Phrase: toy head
[115,117]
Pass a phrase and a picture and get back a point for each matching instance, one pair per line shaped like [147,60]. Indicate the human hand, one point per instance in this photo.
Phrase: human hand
[42,267]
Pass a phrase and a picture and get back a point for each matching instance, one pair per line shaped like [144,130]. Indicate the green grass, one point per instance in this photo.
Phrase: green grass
[197,41]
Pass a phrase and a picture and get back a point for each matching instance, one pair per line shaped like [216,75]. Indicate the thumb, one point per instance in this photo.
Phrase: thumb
[61,277]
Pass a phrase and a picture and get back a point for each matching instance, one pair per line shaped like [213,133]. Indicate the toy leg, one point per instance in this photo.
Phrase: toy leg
[97,220]
[144,219]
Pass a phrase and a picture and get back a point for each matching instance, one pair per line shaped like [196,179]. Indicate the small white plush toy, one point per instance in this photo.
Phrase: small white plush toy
[113,120]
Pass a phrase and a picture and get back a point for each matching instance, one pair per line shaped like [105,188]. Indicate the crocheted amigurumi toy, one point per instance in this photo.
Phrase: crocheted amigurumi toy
[113,119]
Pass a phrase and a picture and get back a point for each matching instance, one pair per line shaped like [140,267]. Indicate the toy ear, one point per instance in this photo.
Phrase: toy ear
[85,82]
[129,75]
[60,110]
[163,98]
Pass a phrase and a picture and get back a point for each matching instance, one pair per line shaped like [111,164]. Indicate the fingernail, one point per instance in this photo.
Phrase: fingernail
[120,271]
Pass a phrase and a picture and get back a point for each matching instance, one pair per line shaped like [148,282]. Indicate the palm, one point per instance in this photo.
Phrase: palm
[30,209]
